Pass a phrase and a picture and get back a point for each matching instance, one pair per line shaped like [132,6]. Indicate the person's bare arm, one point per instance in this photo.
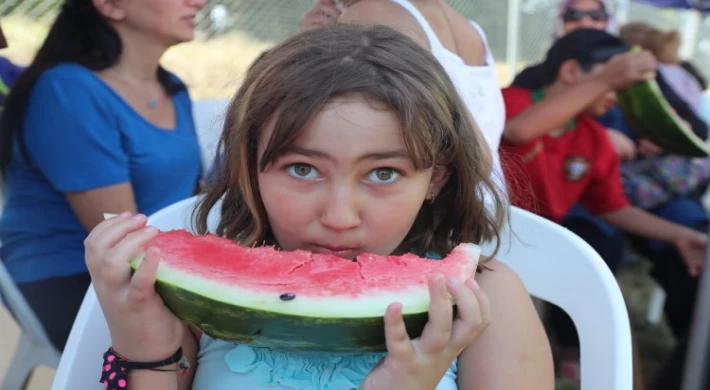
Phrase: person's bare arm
[642,223]
[554,111]
[513,352]
[90,206]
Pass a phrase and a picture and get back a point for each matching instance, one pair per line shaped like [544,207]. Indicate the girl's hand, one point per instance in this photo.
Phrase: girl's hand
[142,327]
[421,363]
[694,251]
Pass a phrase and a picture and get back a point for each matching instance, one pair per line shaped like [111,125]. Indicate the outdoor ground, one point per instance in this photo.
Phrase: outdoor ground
[213,69]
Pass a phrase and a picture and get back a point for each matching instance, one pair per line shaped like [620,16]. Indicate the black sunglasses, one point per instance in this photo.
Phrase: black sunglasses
[574,15]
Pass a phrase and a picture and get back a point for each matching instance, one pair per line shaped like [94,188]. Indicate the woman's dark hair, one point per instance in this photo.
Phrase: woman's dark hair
[290,83]
[79,34]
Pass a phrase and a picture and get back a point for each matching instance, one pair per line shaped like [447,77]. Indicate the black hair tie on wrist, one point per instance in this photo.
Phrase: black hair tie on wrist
[114,373]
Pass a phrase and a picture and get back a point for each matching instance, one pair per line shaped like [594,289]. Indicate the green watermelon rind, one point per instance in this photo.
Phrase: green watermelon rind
[188,297]
[262,328]
[268,328]
[650,113]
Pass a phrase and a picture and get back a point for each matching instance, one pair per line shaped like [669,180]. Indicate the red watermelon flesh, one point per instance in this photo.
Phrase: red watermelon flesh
[321,285]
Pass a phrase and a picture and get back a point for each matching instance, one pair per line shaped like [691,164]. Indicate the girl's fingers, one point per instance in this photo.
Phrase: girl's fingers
[437,332]
[143,280]
[116,269]
[484,305]
[106,224]
[111,235]
[469,313]
[399,345]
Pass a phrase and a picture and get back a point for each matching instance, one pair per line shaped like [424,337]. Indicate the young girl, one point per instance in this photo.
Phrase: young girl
[342,140]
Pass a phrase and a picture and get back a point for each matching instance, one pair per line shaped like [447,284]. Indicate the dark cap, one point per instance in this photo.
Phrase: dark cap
[588,46]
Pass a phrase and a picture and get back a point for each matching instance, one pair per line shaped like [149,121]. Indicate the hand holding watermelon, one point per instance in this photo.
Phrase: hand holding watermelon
[627,68]
[693,249]
[142,327]
[421,363]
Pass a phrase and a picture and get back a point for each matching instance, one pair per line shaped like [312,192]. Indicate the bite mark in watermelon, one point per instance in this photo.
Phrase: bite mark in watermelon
[296,299]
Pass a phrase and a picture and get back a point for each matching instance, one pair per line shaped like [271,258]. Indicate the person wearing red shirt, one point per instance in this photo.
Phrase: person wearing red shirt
[559,163]
[556,155]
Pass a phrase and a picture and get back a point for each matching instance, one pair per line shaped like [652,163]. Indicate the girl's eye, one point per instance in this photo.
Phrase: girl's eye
[383,175]
[302,171]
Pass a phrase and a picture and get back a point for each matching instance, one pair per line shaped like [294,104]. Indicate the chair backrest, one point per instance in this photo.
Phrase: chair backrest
[11,296]
[208,115]
[555,265]
[559,267]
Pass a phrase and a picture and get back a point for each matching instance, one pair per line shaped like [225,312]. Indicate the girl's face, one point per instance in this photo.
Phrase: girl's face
[167,21]
[585,14]
[347,184]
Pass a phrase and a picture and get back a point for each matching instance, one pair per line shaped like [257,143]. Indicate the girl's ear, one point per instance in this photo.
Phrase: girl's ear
[110,9]
[439,176]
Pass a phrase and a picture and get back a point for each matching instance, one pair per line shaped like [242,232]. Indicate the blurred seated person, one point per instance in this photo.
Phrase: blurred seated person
[8,71]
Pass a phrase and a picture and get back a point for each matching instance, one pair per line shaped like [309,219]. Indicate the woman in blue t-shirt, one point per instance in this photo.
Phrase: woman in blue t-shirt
[94,125]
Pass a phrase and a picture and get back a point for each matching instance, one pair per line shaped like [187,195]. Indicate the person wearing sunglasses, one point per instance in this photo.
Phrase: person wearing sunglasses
[576,14]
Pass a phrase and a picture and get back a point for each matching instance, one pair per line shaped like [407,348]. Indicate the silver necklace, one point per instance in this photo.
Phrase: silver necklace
[152,103]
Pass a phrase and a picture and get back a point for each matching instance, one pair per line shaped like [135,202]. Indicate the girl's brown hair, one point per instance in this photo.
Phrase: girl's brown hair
[288,84]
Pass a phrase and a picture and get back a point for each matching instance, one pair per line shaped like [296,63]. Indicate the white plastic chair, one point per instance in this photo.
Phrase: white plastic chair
[34,348]
[208,115]
[555,265]
[559,267]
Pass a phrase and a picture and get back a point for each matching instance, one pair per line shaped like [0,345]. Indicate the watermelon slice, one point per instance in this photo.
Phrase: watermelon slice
[648,111]
[295,299]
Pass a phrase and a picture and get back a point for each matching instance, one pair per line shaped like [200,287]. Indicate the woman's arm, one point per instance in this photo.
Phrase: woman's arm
[90,206]
[513,352]
[72,139]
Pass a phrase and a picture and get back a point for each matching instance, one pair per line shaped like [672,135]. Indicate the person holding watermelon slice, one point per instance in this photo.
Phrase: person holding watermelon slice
[342,140]
[558,156]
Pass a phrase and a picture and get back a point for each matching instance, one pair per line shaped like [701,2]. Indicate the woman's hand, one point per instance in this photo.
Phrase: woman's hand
[694,251]
[421,363]
[142,327]
[323,13]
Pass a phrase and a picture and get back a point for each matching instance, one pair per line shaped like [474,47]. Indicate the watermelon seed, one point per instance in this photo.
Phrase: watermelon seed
[287,296]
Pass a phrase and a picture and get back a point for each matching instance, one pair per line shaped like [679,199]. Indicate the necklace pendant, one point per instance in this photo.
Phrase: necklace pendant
[152,103]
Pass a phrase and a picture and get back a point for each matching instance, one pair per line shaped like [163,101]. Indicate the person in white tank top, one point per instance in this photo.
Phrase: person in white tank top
[477,84]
